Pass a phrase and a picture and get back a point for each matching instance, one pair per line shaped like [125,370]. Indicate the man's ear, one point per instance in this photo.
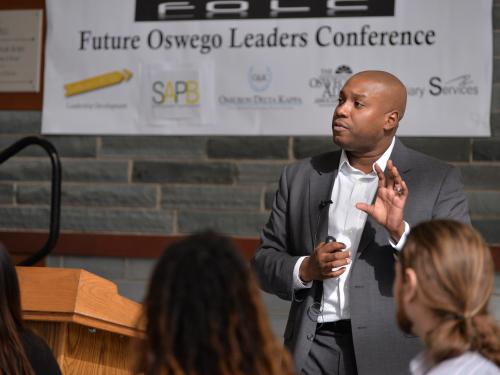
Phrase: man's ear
[391,120]
[410,285]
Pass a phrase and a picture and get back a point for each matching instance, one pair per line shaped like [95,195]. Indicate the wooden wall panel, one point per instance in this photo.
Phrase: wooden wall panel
[132,246]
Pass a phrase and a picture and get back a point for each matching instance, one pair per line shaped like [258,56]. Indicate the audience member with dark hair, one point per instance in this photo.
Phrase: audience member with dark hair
[444,281]
[21,351]
[204,316]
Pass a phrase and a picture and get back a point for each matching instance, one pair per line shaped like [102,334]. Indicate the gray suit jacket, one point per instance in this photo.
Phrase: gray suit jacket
[298,222]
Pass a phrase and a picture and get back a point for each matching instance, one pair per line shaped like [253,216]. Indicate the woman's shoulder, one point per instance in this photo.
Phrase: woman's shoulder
[469,363]
[39,353]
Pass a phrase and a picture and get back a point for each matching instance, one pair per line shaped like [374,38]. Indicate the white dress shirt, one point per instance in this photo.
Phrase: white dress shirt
[469,363]
[346,224]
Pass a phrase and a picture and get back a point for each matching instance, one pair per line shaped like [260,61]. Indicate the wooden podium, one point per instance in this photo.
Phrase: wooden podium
[88,325]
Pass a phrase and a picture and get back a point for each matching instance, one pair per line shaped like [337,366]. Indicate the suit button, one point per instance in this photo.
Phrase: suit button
[310,337]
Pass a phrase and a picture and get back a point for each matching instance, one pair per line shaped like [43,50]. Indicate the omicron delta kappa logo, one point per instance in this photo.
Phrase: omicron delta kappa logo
[329,83]
[259,78]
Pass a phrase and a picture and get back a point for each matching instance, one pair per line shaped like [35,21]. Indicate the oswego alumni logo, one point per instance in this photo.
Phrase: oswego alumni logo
[158,10]
[330,83]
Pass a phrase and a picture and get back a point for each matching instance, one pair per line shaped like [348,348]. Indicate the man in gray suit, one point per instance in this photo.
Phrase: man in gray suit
[331,253]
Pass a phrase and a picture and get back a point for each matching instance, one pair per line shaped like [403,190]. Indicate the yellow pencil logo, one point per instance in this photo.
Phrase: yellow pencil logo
[97,82]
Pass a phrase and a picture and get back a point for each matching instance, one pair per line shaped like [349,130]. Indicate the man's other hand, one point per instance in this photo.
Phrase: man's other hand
[327,261]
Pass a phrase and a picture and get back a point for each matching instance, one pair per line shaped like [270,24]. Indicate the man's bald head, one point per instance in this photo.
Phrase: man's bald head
[368,112]
[389,85]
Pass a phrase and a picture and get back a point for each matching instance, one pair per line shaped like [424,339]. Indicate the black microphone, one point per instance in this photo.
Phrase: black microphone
[330,239]
[324,203]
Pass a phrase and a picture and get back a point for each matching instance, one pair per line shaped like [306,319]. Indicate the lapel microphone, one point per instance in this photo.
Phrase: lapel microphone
[324,203]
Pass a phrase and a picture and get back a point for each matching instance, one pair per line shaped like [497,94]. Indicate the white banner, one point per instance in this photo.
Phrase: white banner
[234,67]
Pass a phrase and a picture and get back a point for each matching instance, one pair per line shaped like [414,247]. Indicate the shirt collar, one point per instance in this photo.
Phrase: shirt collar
[382,161]
[419,365]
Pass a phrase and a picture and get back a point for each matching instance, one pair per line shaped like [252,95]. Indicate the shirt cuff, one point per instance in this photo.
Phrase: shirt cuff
[297,282]
[402,240]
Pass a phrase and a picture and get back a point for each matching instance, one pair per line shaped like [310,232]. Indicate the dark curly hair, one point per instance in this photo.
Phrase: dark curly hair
[203,315]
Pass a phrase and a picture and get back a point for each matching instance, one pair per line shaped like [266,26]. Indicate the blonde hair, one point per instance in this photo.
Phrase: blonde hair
[455,276]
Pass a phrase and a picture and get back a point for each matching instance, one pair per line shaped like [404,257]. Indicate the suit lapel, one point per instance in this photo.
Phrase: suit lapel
[400,158]
[321,182]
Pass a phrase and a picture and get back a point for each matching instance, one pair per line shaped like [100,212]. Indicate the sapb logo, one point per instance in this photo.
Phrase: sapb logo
[186,93]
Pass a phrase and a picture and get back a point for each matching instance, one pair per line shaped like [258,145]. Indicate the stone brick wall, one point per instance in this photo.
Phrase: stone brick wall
[171,185]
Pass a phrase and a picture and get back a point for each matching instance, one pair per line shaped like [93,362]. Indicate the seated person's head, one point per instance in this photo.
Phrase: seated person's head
[204,315]
[444,281]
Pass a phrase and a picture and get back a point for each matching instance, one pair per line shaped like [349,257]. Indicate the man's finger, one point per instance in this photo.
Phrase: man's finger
[337,255]
[380,175]
[368,208]
[331,247]
[339,263]
[390,178]
[335,274]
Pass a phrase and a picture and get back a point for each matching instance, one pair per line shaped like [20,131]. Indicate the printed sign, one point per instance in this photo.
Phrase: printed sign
[272,67]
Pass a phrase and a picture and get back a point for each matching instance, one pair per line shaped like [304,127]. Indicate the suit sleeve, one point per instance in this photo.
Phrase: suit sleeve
[451,202]
[273,262]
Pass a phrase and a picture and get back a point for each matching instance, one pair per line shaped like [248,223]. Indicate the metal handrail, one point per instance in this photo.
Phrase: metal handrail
[55,199]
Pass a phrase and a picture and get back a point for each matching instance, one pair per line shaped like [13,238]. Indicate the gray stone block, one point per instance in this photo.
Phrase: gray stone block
[251,173]
[496,43]
[139,268]
[495,124]
[486,149]
[23,169]
[248,148]
[66,146]
[154,147]
[19,169]
[107,267]
[480,176]
[277,312]
[496,16]
[448,149]
[55,261]
[117,220]
[88,220]
[489,229]
[175,172]
[274,304]
[6,194]
[20,122]
[94,171]
[304,147]
[134,290]
[484,203]
[98,195]
[496,68]
[24,217]
[231,223]
[278,324]
[218,197]
[495,98]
